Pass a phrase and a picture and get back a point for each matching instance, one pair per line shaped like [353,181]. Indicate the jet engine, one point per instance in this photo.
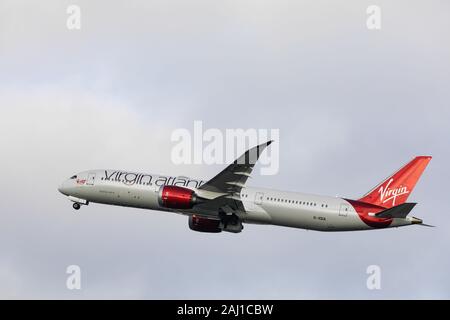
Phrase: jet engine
[177,197]
[200,224]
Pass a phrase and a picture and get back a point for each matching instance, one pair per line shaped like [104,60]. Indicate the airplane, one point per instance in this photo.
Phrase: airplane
[224,203]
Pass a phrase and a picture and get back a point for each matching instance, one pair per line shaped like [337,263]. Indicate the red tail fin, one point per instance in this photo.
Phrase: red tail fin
[396,189]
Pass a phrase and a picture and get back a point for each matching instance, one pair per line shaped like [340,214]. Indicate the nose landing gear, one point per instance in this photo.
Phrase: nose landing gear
[76,206]
[77,202]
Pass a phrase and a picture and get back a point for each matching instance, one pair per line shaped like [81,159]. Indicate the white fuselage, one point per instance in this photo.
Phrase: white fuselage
[262,206]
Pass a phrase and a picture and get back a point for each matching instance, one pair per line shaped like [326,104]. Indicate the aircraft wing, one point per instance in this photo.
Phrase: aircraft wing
[225,188]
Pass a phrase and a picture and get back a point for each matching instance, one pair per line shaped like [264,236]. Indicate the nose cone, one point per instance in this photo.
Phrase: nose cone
[62,188]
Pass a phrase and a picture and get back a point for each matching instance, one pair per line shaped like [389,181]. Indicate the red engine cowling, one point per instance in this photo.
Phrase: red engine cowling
[204,224]
[176,197]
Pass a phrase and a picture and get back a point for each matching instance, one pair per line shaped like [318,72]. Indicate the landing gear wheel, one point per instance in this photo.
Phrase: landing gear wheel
[76,206]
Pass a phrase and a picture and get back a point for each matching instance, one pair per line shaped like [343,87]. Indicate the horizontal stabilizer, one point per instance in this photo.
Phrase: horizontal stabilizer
[400,211]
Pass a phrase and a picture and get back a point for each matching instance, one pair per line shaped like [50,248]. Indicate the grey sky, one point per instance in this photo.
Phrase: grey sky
[352,105]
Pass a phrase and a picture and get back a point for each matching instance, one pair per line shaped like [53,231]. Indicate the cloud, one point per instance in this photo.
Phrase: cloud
[351,106]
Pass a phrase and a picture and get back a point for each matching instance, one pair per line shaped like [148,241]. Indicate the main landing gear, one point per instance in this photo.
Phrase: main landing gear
[76,206]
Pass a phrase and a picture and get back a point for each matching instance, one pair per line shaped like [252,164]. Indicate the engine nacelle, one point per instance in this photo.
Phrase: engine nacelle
[204,224]
[201,224]
[176,197]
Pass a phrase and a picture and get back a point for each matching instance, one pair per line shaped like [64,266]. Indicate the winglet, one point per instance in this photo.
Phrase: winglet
[233,178]
[251,156]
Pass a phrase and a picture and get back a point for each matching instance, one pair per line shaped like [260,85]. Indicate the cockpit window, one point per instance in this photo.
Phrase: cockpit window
[73,177]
